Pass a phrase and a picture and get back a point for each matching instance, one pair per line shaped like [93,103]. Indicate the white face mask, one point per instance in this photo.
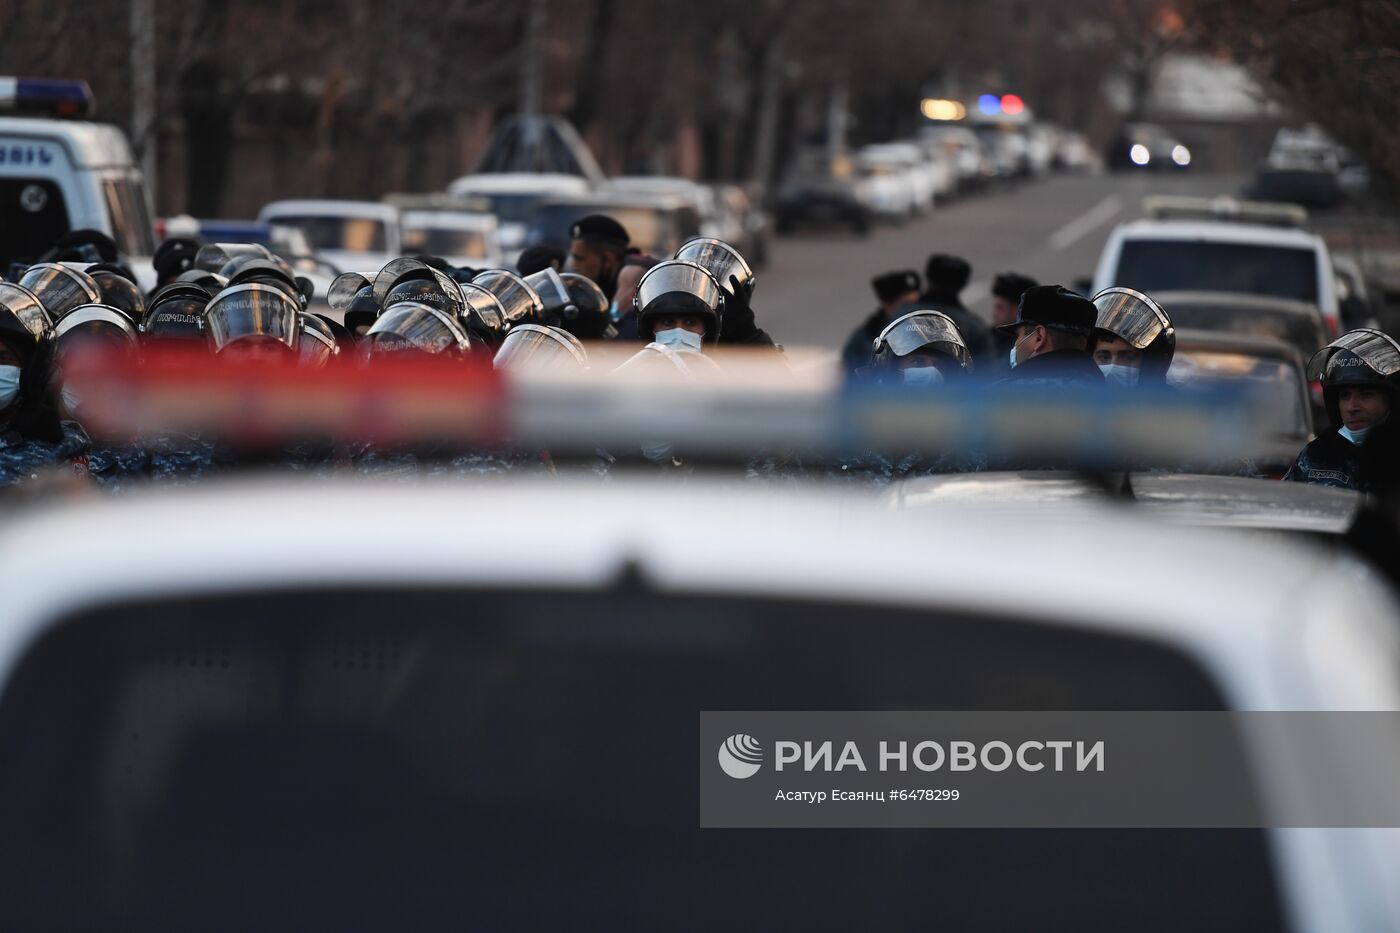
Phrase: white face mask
[923,376]
[9,385]
[679,340]
[1014,346]
[1117,375]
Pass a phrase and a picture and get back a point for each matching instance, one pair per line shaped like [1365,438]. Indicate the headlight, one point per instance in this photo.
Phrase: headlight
[1181,156]
[1139,154]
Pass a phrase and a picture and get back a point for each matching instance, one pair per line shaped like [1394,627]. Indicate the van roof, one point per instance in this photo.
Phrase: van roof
[329,208]
[89,145]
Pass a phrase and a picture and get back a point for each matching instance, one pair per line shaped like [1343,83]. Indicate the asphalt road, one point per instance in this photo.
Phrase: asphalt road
[816,287]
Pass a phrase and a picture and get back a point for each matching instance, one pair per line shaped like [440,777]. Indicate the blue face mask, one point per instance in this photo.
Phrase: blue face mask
[1122,376]
[614,312]
[9,385]
[923,376]
[1357,437]
[1013,349]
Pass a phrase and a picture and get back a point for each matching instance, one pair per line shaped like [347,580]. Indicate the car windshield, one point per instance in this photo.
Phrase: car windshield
[1181,265]
[648,227]
[445,241]
[388,758]
[1276,384]
[351,234]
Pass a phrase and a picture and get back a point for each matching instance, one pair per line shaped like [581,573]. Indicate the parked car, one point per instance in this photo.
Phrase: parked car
[1146,146]
[290,243]
[960,145]
[512,197]
[1303,166]
[438,225]
[354,236]
[821,189]
[1269,371]
[1222,245]
[1294,322]
[896,190]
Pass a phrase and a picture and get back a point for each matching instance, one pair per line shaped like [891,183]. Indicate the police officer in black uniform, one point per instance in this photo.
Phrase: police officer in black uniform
[947,277]
[1052,330]
[1359,372]
[1007,289]
[895,290]
[1134,341]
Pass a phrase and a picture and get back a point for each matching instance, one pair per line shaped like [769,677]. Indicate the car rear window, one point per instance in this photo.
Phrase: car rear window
[1189,265]
[1275,383]
[1304,332]
[647,227]
[433,760]
[352,234]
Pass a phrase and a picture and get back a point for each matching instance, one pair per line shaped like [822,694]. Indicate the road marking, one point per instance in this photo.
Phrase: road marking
[1083,225]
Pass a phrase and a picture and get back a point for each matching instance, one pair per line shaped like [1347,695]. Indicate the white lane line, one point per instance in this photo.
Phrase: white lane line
[1083,225]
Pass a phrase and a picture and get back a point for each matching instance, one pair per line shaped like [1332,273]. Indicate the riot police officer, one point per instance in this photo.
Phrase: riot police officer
[1359,372]
[894,290]
[1052,330]
[679,306]
[921,348]
[737,281]
[1134,341]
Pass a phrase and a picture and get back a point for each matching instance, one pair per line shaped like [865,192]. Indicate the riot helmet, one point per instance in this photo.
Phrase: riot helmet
[553,295]
[520,302]
[415,327]
[119,290]
[679,289]
[1358,358]
[26,308]
[486,317]
[317,343]
[409,279]
[253,313]
[60,287]
[586,315]
[535,347]
[720,260]
[1141,323]
[921,347]
[175,315]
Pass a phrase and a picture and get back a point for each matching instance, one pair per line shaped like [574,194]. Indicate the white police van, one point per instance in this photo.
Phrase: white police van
[59,172]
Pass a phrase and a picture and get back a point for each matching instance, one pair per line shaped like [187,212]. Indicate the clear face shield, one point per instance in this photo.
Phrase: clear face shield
[252,311]
[1366,347]
[484,310]
[408,279]
[554,295]
[344,289]
[60,288]
[317,344]
[931,331]
[415,327]
[519,301]
[719,259]
[533,347]
[215,257]
[1133,317]
[26,307]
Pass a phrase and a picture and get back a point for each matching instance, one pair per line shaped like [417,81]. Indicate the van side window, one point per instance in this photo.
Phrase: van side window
[33,215]
[131,223]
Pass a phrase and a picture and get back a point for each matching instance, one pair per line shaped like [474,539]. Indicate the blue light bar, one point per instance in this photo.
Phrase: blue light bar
[50,97]
[990,104]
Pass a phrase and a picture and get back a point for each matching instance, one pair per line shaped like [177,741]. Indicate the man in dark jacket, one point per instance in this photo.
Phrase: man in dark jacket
[1007,289]
[1052,330]
[895,290]
[1361,450]
[947,277]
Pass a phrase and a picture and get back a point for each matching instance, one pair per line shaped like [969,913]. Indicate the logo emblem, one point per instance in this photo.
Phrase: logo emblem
[33,198]
[740,756]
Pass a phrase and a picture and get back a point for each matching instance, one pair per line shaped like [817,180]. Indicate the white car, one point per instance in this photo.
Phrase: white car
[895,191]
[512,197]
[1190,244]
[960,144]
[365,706]
[353,236]
[59,174]
[463,238]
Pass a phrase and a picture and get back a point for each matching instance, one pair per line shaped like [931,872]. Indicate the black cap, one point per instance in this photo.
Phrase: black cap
[1011,286]
[1056,307]
[948,273]
[602,231]
[174,256]
[538,258]
[891,285]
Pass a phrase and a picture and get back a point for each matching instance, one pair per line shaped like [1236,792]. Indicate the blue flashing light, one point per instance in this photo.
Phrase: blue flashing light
[990,104]
[46,96]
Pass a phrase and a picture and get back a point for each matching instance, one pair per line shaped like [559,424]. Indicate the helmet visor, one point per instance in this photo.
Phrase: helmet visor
[1130,316]
[926,330]
[717,258]
[518,300]
[344,289]
[1375,349]
[96,318]
[550,287]
[26,307]
[317,344]
[60,288]
[687,277]
[412,325]
[533,347]
[213,257]
[252,310]
[484,308]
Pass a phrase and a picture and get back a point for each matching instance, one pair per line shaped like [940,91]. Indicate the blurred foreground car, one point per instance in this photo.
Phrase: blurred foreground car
[1271,371]
[404,735]
[1145,146]
[354,236]
[1222,245]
